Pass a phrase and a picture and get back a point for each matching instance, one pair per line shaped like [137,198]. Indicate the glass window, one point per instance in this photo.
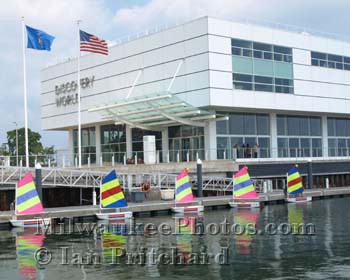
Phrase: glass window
[242,77]
[236,51]
[282,147]
[293,125]
[249,124]
[282,50]
[336,58]
[346,59]
[241,43]
[236,124]
[267,55]
[263,87]
[281,125]
[331,126]
[340,126]
[247,53]
[316,147]
[304,126]
[262,47]
[263,80]
[221,127]
[174,131]
[319,55]
[243,86]
[258,54]
[263,125]
[315,62]
[315,126]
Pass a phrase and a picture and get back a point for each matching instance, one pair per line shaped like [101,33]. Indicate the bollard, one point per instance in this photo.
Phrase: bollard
[38,181]
[94,197]
[49,163]
[199,179]
[113,162]
[76,162]
[124,159]
[89,161]
[187,157]
[178,157]
[135,159]
[327,183]
[21,163]
[309,174]
[167,157]
[101,161]
[265,186]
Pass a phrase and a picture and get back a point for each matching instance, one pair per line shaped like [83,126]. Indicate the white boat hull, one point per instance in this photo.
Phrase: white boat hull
[299,199]
[245,204]
[114,216]
[188,209]
[31,222]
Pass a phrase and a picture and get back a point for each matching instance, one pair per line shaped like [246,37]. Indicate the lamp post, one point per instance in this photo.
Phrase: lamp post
[16,143]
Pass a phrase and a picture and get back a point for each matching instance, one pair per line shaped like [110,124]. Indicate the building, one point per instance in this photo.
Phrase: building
[204,89]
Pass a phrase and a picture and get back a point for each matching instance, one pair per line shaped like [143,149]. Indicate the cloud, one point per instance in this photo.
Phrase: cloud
[57,18]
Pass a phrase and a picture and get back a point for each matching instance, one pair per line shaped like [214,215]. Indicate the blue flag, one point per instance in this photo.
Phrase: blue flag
[38,40]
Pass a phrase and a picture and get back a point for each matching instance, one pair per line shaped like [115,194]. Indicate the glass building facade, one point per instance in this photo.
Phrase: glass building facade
[113,142]
[299,136]
[188,141]
[88,144]
[338,136]
[243,135]
[262,67]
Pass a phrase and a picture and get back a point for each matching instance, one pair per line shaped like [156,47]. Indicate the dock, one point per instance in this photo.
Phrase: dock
[149,208]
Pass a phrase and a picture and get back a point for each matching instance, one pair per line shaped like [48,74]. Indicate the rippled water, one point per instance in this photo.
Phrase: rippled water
[325,255]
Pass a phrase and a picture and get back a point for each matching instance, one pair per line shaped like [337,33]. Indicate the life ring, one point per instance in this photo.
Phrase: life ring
[146,187]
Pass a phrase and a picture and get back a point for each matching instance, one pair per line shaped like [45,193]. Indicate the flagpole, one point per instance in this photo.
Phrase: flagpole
[79,108]
[25,95]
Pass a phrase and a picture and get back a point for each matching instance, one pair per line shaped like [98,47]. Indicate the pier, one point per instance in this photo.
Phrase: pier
[150,208]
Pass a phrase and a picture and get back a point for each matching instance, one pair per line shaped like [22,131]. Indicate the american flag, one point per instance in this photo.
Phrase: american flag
[91,43]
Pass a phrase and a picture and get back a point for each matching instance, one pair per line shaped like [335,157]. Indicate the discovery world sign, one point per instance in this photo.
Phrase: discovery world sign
[66,93]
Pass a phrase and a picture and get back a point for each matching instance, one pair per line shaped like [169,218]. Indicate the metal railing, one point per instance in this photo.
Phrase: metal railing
[65,159]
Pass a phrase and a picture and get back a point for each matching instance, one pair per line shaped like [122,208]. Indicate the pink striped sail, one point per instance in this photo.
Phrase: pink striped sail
[27,199]
[243,185]
[183,190]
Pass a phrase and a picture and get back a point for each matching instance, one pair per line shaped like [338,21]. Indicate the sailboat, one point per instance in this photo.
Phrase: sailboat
[112,197]
[28,203]
[244,193]
[295,186]
[184,195]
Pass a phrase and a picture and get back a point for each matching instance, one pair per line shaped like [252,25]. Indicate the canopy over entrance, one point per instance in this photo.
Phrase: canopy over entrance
[154,112]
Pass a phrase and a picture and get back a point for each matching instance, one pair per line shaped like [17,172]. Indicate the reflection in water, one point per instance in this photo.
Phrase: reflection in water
[27,243]
[324,255]
[296,219]
[247,220]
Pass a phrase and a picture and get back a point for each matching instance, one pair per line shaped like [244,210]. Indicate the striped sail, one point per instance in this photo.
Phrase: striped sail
[183,190]
[27,199]
[295,184]
[112,195]
[243,185]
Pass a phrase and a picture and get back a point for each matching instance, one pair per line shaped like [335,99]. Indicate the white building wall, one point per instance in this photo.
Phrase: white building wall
[157,55]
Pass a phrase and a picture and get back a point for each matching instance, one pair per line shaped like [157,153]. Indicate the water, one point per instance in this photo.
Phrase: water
[324,255]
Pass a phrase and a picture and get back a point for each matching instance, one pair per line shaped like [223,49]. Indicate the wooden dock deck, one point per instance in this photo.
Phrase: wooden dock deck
[155,207]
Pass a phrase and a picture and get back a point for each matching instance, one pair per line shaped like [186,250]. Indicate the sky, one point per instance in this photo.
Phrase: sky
[115,19]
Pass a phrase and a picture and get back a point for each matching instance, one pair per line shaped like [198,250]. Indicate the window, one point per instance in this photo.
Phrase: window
[261,50]
[298,142]
[268,67]
[330,61]
[243,128]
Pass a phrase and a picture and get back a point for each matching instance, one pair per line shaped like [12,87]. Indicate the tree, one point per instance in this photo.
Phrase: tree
[34,145]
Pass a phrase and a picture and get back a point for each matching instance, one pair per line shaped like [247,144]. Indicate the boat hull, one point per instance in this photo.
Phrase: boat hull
[188,209]
[114,216]
[299,199]
[31,222]
[246,204]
